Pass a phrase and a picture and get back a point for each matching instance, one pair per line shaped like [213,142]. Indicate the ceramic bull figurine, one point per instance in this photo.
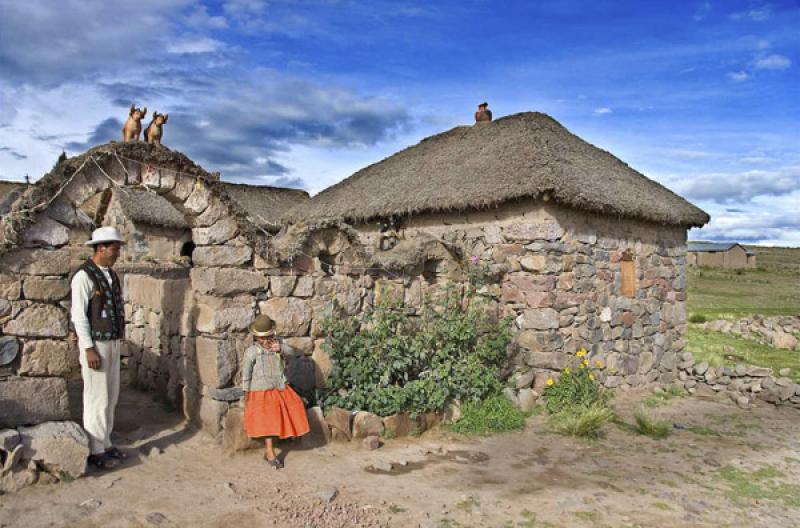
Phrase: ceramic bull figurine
[154,130]
[133,126]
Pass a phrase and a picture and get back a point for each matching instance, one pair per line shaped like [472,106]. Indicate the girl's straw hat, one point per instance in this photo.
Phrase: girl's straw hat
[263,326]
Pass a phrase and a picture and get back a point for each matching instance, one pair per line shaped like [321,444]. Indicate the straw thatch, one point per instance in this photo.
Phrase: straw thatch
[475,167]
[147,207]
[265,205]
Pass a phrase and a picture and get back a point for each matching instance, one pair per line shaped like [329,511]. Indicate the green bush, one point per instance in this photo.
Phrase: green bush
[576,403]
[655,429]
[583,422]
[495,414]
[576,387]
[697,318]
[387,361]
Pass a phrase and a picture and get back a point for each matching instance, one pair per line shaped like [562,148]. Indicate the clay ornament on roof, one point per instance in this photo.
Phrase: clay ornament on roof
[154,131]
[133,126]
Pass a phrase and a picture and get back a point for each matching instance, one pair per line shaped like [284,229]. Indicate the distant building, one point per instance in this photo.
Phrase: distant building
[720,255]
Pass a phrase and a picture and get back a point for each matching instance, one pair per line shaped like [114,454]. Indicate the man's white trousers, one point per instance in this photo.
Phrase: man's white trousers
[100,394]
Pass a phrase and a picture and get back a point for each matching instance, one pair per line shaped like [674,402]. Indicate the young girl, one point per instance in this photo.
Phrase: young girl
[272,408]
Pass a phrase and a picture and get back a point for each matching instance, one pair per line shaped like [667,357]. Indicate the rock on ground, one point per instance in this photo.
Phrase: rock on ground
[58,446]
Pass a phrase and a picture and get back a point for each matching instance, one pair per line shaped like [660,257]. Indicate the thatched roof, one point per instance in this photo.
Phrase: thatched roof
[476,167]
[265,205]
[147,207]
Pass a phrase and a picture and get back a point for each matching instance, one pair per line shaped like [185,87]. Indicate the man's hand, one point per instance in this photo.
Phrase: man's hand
[275,346]
[93,358]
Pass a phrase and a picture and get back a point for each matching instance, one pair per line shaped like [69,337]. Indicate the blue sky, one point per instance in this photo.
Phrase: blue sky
[700,96]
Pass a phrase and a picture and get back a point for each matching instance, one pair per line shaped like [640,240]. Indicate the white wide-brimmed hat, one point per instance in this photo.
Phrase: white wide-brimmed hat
[104,235]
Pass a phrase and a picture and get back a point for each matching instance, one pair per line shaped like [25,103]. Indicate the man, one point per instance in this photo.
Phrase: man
[483,114]
[98,317]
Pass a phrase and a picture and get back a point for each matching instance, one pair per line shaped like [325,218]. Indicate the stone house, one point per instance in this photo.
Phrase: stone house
[579,248]
[720,255]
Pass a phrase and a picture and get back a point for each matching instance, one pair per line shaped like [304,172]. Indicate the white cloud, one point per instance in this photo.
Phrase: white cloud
[773,62]
[602,110]
[759,14]
[195,45]
[742,187]
[738,76]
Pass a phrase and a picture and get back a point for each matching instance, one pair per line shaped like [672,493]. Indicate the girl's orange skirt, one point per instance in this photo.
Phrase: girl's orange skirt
[275,413]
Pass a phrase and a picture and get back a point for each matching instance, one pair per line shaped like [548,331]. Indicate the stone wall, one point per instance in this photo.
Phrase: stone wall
[562,275]
[36,356]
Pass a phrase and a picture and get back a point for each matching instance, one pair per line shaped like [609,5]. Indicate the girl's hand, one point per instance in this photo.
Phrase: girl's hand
[275,347]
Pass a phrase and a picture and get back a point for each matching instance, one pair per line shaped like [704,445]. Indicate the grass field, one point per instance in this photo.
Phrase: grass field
[771,289]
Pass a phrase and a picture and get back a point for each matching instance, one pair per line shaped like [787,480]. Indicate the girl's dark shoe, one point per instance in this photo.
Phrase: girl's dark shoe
[275,462]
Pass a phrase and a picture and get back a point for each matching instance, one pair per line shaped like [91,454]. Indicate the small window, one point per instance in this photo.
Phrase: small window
[628,270]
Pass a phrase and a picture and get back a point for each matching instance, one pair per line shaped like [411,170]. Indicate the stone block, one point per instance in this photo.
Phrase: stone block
[184,185]
[211,415]
[25,401]
[58,446]
[282,286]
[292,316]
[212,256]
[546,360]
[37,261]
[526,399]
[234,437]
[227,281]
[302,346]
[340,420]
[319,433]
[9,350]
[367,424]
[220,232]
[371,443]
[216,361]
[39,320]
[538,319]
[40,289]
[545,230]
[47,357]
[215,315]
[400,425]
[10,287]
[46,232]
[304,287]
[535,263]
[197,202]
[215,211]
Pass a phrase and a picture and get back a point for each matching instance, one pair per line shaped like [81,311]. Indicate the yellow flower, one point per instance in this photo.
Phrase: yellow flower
[591,377]
[599,363]
[585,363]
[581,352]
[550,382]
[567,370]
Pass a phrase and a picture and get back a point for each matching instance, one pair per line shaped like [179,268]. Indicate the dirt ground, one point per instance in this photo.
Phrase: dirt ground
[722,466]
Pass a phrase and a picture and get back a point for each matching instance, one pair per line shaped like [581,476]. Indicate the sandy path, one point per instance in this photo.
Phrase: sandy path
[533,478]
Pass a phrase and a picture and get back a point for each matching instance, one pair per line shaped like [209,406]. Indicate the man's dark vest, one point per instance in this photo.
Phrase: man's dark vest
[106,310]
